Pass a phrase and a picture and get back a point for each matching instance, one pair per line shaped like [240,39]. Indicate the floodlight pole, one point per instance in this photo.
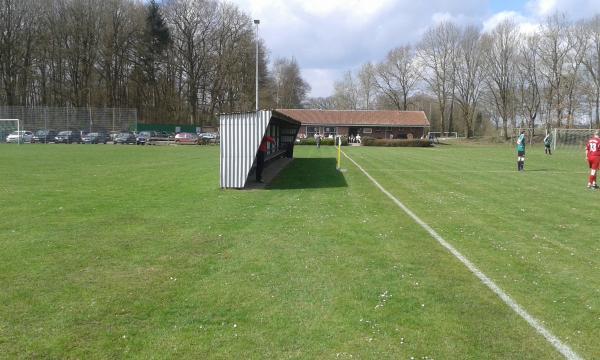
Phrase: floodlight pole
[256,22]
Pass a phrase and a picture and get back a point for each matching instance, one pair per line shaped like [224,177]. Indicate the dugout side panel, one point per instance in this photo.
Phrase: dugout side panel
[240,138]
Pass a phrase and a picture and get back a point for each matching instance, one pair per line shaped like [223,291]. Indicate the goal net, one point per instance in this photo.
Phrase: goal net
[571,139]
[442,135]
[9,126]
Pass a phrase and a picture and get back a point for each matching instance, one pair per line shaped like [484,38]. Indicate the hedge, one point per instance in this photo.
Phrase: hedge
[326,141]
[368,141]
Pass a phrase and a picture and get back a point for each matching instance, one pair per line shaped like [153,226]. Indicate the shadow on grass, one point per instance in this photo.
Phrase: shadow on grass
[308,173]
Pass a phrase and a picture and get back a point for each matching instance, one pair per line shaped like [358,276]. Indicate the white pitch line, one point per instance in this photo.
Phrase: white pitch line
[561,347]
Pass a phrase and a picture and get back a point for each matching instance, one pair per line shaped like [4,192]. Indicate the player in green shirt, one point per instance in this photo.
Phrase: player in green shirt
[521,151]
[547,144]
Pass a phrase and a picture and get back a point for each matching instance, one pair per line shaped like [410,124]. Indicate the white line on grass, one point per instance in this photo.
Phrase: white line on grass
[535,323]
[480,171]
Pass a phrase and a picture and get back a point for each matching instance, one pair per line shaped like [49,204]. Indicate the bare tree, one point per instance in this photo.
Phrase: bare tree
[554,49]
[573,66]
[397,75]
[436,57]
[83,24]
[345,94]
[153,75]
[528,80]
[366,86]
[291,89]
[587,97]
[118,39]
[500,51]
[17,37]
[233,81]
[193,25]
[171,59]
[591,60]
[52,55]
[321,103]
[469,75]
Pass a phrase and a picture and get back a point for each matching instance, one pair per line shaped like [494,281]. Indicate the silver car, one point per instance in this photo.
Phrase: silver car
[22,136]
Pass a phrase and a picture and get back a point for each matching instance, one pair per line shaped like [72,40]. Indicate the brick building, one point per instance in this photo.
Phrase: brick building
[384,124]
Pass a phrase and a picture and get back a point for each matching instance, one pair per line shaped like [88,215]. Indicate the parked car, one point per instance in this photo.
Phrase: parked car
[95,138]
[68,137]
[144,137]
[164,136]
[186,138]
[124,138]
[208,137]
[21,136]
[44,136]
[113,135]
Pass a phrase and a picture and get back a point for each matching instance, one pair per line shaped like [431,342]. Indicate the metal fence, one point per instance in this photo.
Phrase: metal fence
[89,119]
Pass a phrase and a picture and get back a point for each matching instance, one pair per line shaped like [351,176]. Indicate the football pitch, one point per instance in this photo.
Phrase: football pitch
[134,252]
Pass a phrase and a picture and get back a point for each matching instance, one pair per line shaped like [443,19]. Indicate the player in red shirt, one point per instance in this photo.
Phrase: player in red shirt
[260,156]
[592,152]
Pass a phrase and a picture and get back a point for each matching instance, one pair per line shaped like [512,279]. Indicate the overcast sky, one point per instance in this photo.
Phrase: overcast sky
[328,37]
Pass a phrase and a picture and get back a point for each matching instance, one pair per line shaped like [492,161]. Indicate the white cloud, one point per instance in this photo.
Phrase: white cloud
[543,7]
[352,10]
[328,37]
[526,25]
[573,8]
[321,80]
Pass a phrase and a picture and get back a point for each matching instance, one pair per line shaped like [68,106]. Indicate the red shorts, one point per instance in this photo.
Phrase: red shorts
[594,162]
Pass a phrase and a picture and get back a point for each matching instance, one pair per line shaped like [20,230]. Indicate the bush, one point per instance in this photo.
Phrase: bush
[326,141]
[368,141]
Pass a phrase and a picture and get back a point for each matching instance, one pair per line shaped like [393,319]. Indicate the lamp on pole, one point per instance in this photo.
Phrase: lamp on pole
[256,21]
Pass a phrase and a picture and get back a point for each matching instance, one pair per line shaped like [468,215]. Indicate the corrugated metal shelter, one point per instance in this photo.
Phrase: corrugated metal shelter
[241,135]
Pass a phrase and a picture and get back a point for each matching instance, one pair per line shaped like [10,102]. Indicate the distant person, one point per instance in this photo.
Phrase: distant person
[358,139]
[592,153]
[318,140]
[260,156]
[547,143]
[521,151]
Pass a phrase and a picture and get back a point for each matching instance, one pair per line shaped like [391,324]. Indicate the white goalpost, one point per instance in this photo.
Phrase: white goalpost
[9,126]
[571,139]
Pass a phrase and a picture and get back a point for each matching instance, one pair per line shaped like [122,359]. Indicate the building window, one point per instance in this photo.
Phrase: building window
[367,131]
[330,132]
[311,131]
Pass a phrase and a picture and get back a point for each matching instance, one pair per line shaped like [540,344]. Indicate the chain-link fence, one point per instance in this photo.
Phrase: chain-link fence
[89,119]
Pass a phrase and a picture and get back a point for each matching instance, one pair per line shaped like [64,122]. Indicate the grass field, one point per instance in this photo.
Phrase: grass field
[134,252]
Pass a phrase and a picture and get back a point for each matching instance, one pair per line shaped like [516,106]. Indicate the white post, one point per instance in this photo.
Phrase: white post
[554,140]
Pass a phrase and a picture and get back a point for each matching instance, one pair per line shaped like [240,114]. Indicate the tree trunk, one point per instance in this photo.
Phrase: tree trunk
[597,109]
[451,118]
[505,125]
